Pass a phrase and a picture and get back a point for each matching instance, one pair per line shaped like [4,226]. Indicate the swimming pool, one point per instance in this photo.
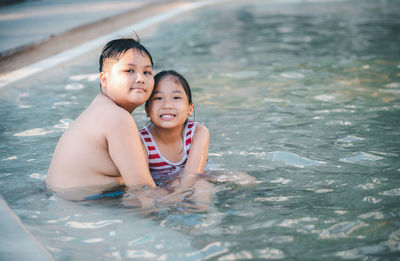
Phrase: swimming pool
[304,96]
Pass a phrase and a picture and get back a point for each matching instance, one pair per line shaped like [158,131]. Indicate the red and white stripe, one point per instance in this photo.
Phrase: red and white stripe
[157,163]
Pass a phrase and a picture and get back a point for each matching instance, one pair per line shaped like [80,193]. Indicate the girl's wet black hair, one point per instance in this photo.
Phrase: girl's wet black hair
[182,81]
[115,48]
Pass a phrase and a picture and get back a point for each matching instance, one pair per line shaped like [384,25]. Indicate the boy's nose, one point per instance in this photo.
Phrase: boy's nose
[139,78]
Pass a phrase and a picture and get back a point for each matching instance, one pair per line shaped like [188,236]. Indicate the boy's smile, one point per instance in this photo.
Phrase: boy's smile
[129,81]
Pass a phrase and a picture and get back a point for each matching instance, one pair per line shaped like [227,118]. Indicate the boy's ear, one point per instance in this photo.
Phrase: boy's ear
[103,79]
[191,107]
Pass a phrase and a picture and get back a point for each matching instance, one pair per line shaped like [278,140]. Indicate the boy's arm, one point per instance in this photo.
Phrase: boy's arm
[198,153]
[126,151]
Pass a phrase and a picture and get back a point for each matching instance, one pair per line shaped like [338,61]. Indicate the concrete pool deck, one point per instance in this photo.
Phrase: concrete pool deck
[76,42]
[72,26]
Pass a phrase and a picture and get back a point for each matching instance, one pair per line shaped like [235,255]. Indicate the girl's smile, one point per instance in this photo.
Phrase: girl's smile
[167,116]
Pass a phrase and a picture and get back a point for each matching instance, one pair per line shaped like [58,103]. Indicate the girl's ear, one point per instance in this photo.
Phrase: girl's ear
[191,107]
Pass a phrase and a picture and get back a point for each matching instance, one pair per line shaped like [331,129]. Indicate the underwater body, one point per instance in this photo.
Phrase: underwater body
[303,96]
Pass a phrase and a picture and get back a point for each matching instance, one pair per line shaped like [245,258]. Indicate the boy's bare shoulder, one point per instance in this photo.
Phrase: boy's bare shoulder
[110,111]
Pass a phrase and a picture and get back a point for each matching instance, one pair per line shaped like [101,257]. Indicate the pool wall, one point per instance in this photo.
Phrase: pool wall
[16,243]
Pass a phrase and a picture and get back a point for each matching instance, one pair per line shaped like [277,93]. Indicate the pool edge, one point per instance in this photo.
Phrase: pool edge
[16,242]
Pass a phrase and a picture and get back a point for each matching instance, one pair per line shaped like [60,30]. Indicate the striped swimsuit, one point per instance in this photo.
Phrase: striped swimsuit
[159,166]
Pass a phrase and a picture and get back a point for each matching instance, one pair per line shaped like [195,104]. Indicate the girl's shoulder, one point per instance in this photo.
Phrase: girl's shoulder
[200,129]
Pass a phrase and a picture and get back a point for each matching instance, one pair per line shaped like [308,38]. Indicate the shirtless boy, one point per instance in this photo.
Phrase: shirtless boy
[102,146]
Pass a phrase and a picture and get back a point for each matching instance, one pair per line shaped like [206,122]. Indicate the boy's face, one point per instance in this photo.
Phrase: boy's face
[129,82]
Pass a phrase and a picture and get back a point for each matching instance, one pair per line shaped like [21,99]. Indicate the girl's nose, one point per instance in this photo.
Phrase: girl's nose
[167,103]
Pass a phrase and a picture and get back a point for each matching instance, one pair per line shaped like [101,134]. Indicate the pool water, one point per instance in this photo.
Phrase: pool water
[302,95]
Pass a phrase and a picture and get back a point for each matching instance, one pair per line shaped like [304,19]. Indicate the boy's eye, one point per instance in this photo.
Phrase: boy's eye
[157,98]
[177,97]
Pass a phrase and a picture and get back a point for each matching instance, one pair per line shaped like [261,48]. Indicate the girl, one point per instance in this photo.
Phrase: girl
[174,144]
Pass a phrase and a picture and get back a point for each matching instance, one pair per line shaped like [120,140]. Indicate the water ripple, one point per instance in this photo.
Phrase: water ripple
[209,251]
[376,215]
[366,186]
[62,103]
[37,176]
[320,191]
[291,223]
[10,158]
[280,239]
[64,124]
[93,240]
[361,252]
[393,85]
[339,122]
[242,74]
[141,255]
[324,97]
[274,199]
[394,241]
[274,100]
[361,157]
[341,230]
[271,253]
[390,91]
[33,132]
[92,225]
[393,192]
[147,238]
[373,200]
[292,75]
[52,221]
[242,255]
[281,181]
[74,86]
[91,77]
[350,139]
[294,160]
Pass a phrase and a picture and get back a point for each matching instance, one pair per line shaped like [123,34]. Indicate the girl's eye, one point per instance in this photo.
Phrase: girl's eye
[148,73]
[129,70]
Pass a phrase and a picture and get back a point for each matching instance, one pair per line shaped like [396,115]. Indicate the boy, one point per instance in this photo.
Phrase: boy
[102,146]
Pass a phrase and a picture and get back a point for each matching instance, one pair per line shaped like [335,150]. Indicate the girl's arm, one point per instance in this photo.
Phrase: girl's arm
[195,163]
[198,153]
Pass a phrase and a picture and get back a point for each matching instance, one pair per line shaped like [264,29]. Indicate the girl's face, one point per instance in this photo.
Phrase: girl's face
[169,106]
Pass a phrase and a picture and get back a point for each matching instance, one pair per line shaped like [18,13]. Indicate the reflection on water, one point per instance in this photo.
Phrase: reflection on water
[302,95]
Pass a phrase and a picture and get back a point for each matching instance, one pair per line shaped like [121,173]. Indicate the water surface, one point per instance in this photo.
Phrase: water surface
[303,96]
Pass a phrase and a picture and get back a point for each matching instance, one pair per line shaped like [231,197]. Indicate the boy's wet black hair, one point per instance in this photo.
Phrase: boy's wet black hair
[182,81]
[115,48]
